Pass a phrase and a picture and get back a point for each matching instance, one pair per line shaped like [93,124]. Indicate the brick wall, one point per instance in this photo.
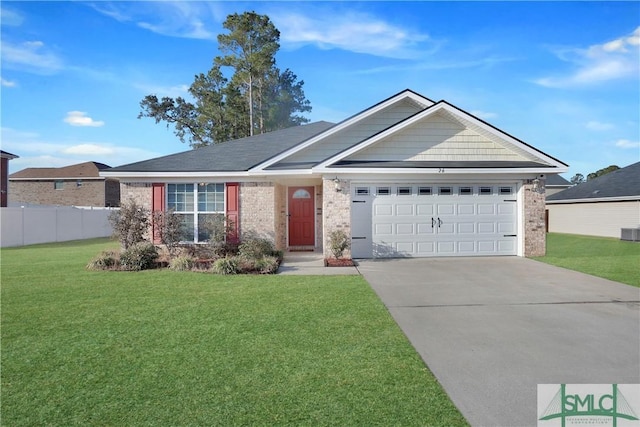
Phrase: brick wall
[535,238]
[336,212]
[140,192]
[280,203]
[42,192]
[258,210]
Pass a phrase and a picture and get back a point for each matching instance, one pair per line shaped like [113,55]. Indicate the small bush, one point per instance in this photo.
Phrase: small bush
[106,260]
[228,265]
[338,243]
[182,263]
[267,265]
[256,248]
[140,256]
[130,223]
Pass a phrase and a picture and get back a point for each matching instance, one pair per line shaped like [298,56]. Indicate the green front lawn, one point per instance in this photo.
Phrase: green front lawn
[610,258]
[172,348]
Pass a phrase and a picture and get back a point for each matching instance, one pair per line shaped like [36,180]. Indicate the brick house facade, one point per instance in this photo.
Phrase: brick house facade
[405,177]
[76,185]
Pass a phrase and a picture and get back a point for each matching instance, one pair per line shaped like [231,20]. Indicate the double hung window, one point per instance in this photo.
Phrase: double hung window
[198,205]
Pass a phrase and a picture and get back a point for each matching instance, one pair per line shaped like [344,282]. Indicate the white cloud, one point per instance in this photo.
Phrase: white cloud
[598,126]
[10,17]
[36,152]
[625,143]
[30,55]
[193,20]
[88,149]
[80,118]
[352,31]
[7,83]
[612,60]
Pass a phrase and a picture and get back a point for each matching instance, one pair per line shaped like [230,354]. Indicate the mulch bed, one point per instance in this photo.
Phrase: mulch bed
[342,262]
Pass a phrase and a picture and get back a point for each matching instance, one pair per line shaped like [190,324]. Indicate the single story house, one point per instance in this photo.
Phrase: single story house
[555,184]
[75,185]
[4,176]
[599,207]
[406,177]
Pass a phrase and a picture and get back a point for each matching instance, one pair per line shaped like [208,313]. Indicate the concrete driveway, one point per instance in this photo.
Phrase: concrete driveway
[491,329]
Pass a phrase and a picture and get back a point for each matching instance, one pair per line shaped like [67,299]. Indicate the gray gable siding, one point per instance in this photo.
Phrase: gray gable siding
[232,156]
[624,182]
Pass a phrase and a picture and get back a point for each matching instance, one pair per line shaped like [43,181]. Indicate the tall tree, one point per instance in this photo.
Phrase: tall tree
[256,98]
[577,179]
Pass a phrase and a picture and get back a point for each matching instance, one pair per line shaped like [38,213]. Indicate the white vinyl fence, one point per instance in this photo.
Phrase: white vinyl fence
[30,225]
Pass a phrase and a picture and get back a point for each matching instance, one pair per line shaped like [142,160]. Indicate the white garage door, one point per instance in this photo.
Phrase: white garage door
[433,220]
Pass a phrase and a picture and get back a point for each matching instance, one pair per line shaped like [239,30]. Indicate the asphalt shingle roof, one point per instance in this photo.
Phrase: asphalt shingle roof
[624,182]
[80,170]
[232,156]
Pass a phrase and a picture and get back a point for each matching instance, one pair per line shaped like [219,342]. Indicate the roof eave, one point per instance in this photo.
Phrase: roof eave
[595,200]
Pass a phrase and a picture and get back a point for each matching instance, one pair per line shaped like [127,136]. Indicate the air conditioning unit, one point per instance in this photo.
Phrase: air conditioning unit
[630,234]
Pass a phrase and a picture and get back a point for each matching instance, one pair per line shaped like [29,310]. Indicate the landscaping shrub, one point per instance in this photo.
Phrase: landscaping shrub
[140,256]
[130,223]
[182,263]
[227,265]
[256,248]
[106,260]
[267,265]
[338,243]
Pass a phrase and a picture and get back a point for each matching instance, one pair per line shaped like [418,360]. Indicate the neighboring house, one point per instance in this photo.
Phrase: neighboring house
[405,177]
[75,185]
[555,184]
[599,207]
[4,181]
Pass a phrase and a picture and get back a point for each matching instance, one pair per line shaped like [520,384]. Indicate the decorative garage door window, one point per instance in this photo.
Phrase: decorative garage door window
[201,207]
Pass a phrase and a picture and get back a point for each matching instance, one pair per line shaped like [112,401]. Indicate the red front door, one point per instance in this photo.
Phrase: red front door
[301,216]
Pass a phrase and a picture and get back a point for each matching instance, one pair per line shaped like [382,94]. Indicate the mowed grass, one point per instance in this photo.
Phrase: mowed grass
[162,348]
[610,258]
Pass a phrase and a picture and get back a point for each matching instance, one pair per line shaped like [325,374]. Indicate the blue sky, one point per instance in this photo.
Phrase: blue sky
[562,76]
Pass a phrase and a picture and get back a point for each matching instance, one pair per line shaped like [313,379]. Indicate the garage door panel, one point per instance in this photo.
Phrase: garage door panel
[425,209]
[506,208]
[446,209]
[486,209]
[446,247]
[404,209]
[466,228]
[405,229]
[466,209]
[382,210]
[405,248]
[486,228]
[487,246]
[383,229]
[425,228]
[425,248]
[506,228]
[466,247]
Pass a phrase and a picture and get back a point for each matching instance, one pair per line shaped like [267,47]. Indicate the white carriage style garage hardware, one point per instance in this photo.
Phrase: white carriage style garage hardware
[423,220]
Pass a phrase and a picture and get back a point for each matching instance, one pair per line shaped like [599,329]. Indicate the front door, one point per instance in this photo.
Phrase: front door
[301,216]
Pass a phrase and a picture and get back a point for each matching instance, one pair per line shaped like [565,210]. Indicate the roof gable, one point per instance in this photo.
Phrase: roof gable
[622,183]
[351,131]
[442,133]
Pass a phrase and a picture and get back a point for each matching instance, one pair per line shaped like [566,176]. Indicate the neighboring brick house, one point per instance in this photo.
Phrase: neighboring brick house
[4,179]
[75,185]
[405,177]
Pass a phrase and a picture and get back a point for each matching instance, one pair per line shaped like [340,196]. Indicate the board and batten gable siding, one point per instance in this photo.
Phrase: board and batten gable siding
[437,138]
[604,219]
[356,133]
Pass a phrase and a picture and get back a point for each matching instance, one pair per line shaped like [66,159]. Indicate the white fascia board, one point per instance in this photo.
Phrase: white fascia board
[345,124]
[559,167]
[439,171]
[594,200]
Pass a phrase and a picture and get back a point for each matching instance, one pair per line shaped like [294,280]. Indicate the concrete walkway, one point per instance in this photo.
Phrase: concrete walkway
[311,263]
[492,328]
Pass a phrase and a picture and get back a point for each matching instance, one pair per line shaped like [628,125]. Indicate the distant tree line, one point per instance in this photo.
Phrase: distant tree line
[579,178]
[257,97]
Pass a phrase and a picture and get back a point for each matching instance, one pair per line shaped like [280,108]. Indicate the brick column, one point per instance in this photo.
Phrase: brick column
[535,238]
[336,212]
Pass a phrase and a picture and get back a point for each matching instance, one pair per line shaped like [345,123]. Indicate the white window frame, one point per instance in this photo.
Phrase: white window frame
[196,212]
